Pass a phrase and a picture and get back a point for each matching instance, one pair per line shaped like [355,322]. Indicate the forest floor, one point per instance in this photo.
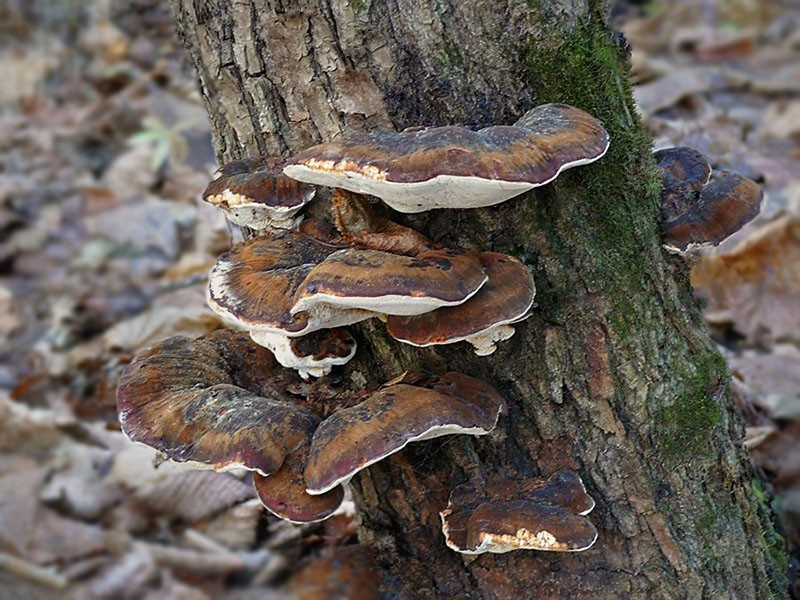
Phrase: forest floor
[105,246]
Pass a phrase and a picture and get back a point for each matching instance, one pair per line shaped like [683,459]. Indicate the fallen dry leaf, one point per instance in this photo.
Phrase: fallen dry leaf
[757,283]
[193,495]
[782,119]
[159,323]
[774,379]
[680,83]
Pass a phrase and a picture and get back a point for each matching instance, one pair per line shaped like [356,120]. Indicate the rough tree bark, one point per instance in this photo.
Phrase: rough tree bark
[614,376]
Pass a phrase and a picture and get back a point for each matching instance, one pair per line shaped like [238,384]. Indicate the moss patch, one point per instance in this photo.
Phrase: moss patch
[450,56]
[772,543]
[684,428]
[586,70]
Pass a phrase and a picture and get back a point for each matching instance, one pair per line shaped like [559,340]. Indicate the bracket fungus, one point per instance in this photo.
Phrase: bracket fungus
[407,409]
[390,284]
[284,493]
[205,401]
[295,284]
[254,193]
[483,320]
[454,167]
[219,400]
[700,207]
[360,226]
[533,514]
[253,284]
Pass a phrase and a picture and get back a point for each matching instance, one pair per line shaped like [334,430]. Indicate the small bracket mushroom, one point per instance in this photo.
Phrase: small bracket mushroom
[254,193]
[525,514]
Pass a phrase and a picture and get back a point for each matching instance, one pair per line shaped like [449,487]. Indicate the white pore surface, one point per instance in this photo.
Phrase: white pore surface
[541,540]
[443,191]
[390,304]
[280,346]
[485,342]
[241,211]
[432,432]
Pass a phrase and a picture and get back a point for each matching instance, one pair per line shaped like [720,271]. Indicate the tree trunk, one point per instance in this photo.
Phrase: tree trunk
[614,376]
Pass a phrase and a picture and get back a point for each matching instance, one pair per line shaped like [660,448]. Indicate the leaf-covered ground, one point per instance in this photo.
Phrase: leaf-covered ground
[105,245]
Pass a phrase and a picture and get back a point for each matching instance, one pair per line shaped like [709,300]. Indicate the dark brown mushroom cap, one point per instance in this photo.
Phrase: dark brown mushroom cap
[390,283]
[360,225]
[724,206]
[454,167]
[257,181]
[563,488]
[507,297]
[684,172]
[254,283]
[284,492]
[506,514]
[684,164]
[354,438]
[272,283]
[527,524]
[185,398]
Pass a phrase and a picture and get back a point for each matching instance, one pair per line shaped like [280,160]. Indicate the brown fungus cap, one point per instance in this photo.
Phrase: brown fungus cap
[359,224]
[296,283]
[204,401]
[253,285]
[354,438]
[255,193]
[515,514]
[526,525]
[483,320]
[720,209]
[685,165]
[391,284]
[312,355]
[284,493]
[684,172]
[455,167]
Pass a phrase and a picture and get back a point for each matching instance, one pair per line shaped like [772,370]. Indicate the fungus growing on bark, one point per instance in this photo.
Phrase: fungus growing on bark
[683,166]
[253,284]
[284,493]
[389,284]
[700,207]
[312,355]
[359,225]
[483,320]
[454,167]
[206,401]
[528,514]
[409,408]
[295,284]
[254,193]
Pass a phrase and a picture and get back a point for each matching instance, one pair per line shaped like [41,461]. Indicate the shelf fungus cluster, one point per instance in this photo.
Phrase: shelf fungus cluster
[701,207]
[291,288]
[220,401]
[292,280]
